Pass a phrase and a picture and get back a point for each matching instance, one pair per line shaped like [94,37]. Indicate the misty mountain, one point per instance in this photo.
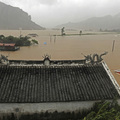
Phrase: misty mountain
[96,23]
[14,18]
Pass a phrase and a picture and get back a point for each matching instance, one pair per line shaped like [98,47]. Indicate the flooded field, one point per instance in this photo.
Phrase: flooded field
[68,47]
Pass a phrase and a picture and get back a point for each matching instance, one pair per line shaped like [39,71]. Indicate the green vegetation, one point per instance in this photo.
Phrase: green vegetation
[103,110]
[110,30]
[92,33]
[80,32]
[63,31]
[19,41]
[34,41]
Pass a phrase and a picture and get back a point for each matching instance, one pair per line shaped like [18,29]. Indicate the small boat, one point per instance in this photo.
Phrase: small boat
[117,71]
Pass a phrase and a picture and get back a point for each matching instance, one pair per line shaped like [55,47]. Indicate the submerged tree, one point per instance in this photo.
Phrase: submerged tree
[80,32]
[63,31]
[2,37]
[19,41]
[34,41]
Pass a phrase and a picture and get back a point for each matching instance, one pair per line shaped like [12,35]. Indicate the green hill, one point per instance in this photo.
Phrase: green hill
[15,18]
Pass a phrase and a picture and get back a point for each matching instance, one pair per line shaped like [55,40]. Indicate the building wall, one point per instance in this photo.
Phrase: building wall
[43,107]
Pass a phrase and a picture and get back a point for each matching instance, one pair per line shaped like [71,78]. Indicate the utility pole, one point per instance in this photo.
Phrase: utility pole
[113,45]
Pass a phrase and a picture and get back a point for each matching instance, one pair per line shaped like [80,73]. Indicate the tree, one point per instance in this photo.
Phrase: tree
[22,41]
[80,32]
[105,111]
[34,41]
[63,31]
[2,37]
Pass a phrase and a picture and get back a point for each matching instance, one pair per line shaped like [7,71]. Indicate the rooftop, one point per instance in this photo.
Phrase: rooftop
[37,84]
[7,44]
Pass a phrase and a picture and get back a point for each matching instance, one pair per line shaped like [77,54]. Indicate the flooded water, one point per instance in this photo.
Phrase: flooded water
[68,47]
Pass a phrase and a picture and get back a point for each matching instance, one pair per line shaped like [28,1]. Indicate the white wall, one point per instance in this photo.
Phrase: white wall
[42,107]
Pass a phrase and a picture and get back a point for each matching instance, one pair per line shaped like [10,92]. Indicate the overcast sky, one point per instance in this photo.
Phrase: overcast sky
[49,13]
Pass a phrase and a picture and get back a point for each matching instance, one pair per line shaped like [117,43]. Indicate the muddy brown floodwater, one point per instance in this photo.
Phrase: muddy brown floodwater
[68,47]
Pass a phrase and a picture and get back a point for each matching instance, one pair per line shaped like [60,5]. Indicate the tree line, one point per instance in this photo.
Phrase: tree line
[19,41]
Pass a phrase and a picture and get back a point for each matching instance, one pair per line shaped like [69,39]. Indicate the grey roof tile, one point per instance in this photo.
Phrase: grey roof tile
[27,84]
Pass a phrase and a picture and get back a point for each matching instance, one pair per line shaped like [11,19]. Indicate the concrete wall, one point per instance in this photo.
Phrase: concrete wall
[43,107]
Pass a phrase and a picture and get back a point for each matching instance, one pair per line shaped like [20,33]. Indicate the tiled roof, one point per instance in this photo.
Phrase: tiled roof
[36,84]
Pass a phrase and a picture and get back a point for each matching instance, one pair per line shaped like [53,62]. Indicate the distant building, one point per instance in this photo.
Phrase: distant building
[8,47]
[55,87]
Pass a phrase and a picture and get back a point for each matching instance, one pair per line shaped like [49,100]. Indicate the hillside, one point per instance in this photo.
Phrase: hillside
[105,22]
[14,18]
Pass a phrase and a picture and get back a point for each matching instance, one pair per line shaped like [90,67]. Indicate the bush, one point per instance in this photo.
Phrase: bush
[22,41]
